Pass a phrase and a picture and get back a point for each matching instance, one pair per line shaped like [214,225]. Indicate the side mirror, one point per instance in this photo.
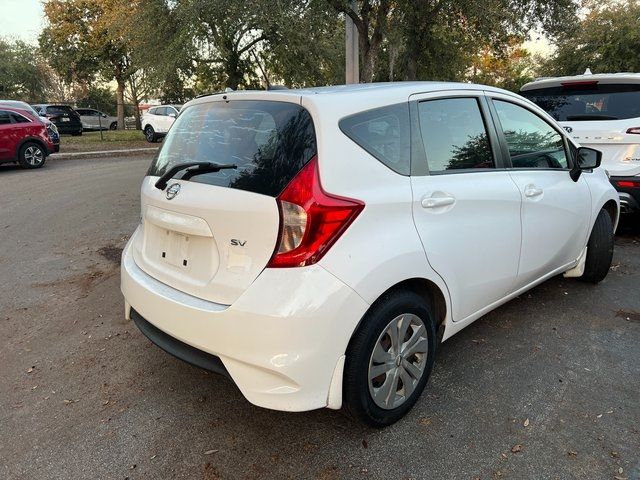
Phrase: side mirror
[586,159]
[104,115]
[172,115]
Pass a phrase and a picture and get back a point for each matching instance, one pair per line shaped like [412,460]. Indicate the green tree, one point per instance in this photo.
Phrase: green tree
[509,67]
[606,40]
[23,73]
[82,40]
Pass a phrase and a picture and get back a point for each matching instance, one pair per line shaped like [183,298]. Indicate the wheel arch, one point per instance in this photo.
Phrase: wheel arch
[613,209]
[37,140]
[427,289]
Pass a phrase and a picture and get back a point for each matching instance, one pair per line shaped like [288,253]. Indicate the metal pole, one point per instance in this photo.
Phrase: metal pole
[352,64]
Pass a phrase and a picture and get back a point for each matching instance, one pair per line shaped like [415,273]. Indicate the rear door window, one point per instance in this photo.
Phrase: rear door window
[17,118]
[384,133]
[584,101]
[269,141]
[454,135]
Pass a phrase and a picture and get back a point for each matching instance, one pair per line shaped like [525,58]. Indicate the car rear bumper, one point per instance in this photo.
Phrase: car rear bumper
[629,196]
[282,342]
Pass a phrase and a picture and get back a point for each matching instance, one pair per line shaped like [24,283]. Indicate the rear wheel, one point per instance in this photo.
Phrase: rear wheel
[599,249]
[113,126]
[389,359]
[31,155]
[150,134]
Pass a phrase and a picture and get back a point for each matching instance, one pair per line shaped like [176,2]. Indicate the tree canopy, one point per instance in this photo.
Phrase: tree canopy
[606,40]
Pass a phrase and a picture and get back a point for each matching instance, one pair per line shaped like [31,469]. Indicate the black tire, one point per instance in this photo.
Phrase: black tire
[358,399]
[599,249]
[32,155]
[150,134]
[113,126]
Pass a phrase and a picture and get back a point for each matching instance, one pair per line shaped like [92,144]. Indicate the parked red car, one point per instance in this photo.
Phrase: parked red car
[24,138]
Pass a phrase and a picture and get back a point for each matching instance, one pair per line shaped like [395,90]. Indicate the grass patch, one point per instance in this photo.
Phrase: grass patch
[111,140]
[108,136]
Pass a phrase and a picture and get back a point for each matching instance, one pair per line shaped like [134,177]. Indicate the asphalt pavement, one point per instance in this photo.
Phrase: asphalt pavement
[545,387]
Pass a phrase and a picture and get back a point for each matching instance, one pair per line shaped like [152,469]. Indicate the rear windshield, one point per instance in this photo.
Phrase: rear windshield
[59,110]
[270,142]
[588,101]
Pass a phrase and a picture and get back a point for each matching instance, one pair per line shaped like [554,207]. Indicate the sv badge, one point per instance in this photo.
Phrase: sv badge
[238,243]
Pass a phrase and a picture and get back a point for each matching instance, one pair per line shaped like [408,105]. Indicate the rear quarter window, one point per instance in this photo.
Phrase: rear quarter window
[269,142]
[384,133]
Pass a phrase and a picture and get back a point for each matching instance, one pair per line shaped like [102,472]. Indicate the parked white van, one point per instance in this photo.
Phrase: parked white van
[317,245]
[600,111]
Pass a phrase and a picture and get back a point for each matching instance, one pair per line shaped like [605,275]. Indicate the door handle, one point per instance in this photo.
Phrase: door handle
[532,191]
[435,202]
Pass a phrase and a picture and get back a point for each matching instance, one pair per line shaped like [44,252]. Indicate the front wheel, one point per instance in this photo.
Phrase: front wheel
[599,249]
[113,126]
[389,359]
[31,155]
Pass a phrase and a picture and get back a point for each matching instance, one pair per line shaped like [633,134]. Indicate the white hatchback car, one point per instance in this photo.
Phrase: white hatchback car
[316,245]
[600,111]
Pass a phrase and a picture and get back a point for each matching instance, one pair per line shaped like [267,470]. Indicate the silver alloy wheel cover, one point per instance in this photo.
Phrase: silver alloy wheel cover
[400,354]
[33,155]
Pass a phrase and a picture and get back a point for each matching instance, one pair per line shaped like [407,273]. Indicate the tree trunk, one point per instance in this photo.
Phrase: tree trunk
[120,101]
[367,59]
[413,38]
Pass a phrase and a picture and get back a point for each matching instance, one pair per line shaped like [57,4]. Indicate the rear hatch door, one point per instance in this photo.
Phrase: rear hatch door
[212,234]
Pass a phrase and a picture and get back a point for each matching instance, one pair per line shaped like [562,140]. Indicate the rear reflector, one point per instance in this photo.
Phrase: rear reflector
[628,183]
[311,220]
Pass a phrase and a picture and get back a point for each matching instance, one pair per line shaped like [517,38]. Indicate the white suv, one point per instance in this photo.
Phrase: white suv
[157,121]
[316,246]
[600,111]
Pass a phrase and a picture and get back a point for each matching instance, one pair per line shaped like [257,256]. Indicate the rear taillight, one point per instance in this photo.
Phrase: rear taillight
[628,183]
[635,130]
[311,220]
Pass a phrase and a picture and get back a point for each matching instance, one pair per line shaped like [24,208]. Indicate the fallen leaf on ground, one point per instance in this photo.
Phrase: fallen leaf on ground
[364,443]
[572,453]
[615,454]
[209,452]
[425,421]
[526,422]
[31,369]
[516,448]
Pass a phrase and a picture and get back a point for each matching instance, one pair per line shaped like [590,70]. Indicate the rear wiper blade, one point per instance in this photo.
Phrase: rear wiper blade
[200,167]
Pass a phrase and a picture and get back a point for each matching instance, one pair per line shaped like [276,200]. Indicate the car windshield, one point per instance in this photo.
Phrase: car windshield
[588,101]
[268,141]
